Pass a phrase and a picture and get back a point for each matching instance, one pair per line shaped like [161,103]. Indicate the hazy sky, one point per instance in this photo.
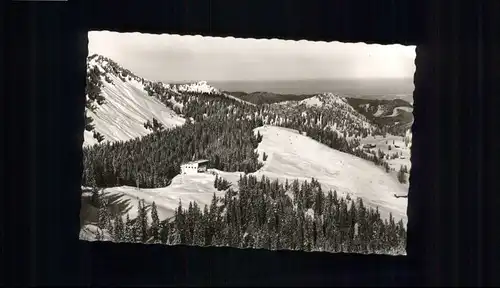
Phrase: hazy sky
[175,58]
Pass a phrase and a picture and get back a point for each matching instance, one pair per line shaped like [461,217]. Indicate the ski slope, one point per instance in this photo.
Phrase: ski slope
[128,106]
[198,188]
[294,156]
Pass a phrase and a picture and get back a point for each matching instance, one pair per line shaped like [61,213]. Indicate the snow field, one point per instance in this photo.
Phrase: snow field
[290,156]
[198,188]
[295,156]
[125,111]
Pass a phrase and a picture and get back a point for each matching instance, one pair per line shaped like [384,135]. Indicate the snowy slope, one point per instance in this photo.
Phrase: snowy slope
[396,111]
[383,144]
[348,118]
[198,188]
[126,108]
[380,111]
[290,156]
[128,105]
[90,231]
[326,99]
[125,111]
[295,156]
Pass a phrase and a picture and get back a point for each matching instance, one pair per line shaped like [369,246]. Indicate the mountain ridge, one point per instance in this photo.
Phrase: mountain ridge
[106,72]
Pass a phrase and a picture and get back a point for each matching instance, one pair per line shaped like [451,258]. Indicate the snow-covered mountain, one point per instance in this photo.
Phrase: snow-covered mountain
[120,103]
[328,110]
[326,99]
[197,87]
[202,87]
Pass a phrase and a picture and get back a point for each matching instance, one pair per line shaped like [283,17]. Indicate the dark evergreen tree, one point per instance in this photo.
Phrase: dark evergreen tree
[129,235]
[141,223]
[401,175]
[119,229]
[155,225]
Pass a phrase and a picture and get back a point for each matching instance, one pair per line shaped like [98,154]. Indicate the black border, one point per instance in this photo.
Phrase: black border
[49,44]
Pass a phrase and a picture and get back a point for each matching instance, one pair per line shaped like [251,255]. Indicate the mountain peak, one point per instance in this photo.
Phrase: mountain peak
[197,87]
[324,99]
[107,66]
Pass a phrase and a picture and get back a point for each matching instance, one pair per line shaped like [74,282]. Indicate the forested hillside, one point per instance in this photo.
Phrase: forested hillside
[395,116]
[263,213]
[153,160]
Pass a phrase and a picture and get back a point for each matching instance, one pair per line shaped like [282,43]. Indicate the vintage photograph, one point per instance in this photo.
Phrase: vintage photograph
[247,143]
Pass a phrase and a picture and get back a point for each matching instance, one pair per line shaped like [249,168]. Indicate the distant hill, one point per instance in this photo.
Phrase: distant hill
[396,115]
[259,98]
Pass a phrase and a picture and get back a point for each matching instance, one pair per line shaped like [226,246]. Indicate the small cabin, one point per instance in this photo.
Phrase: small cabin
[194,167]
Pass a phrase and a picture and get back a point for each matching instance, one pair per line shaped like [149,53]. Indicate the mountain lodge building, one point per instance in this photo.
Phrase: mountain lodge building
[194,167]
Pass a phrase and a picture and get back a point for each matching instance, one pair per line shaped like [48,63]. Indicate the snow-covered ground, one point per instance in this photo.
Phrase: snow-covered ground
[327,99]
[396,111]
[380,111]
[198,188]
[90,231]
[197,87]
[336,102]
[312,101]
[295,156]
[127,108]
[290,156]
[383,144]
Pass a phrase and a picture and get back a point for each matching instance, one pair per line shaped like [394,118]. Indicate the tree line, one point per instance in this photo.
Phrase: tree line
[316,122]
[93,98]
[153,160]
[267,214]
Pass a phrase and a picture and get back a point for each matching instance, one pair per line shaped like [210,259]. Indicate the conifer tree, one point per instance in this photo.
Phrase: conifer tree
[155,224]
[104,220]
[129,235]
[175,236]
[216,182]
[139,229]
[119,229]
[401,175]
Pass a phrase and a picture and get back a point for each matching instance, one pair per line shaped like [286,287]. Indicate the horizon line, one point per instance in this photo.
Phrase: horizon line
[286,80]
